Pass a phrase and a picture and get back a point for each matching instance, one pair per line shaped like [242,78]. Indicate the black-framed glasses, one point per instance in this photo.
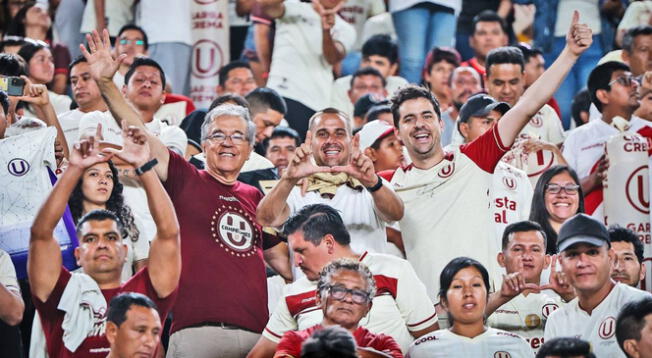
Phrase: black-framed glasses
[556,188]
[625,80]
[133,42]
[357,296]
[219,137]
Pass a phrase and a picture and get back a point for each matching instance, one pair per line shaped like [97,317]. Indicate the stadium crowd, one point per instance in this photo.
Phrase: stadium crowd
[372,178]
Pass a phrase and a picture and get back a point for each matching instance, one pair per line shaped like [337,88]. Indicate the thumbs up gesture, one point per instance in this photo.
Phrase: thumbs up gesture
[579,37]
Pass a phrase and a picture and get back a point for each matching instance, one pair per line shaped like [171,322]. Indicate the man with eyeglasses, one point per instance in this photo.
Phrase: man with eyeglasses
[587,257]
[132,42]
[344,294]
[317,236]
[613,91]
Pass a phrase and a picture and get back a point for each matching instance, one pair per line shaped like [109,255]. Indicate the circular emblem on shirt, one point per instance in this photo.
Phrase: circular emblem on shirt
[234,230]
[18,167]
[510,183]
[502,354]
[532,321]
[547,309]
[607,328]
[637,190]
[446,171]
[536,121]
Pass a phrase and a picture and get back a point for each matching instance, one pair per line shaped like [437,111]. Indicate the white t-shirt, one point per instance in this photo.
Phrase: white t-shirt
[356,12]
[545,125]
[599,328]
[358,211]
[400,306]
[299,70]
[60,103]
[69,122]
[116,12]
[8,273]
[340,94]
[511,198]
[525,316]
[492,343]
[447,209]
[165,20]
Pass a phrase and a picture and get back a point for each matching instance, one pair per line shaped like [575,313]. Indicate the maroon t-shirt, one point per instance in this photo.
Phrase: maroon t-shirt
[96,345]
[291,342]
[223,274]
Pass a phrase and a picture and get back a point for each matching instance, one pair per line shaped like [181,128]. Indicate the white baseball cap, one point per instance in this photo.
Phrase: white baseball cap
[374,131]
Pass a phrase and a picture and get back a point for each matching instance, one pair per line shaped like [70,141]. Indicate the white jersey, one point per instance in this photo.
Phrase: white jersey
[545,125]
[8,273]
[358,211]
[69,122]
[492,343]
[299,70]
[598,328]
[525,316]
[511,197]
[340,93]
[449,203]
[400,306]
[356,13]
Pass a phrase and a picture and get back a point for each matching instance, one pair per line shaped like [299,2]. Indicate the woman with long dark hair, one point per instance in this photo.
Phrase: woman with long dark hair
[464,292]
[557,197]
[99,188]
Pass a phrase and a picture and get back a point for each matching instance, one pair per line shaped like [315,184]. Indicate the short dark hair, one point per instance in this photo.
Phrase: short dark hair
[263,98]
[120,304]
[224,71]
[618,233]
[505,54]
[489,16]
[11,41]
[11,65]
[137,28]
[374,112]
[439,54]
[229,97]
[99,215]
[316,221]
[631,320]
[456,265]
[368,71]
[4,101]
[330,342]
[522,226]
[144,61]
[600,78]
[631,34]
[412,92]
[381,45]
[282,132]
[79,59]
[566,347]
[529,52]
[581,103]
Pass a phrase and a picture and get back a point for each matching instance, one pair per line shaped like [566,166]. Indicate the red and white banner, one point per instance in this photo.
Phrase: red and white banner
[626,190]
[210,50]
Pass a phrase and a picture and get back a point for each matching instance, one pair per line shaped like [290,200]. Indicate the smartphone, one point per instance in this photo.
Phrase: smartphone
[12,85]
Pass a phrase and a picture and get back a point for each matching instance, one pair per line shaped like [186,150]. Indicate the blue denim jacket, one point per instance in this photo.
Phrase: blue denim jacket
[544,24]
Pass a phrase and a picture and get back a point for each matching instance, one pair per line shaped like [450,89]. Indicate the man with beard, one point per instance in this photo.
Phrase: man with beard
[464,82]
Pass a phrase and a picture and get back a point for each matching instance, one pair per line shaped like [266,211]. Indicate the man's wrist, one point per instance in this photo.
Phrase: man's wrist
[375,187]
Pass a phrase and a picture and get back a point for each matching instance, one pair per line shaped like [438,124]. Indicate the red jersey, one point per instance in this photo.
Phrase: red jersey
[291,342]
[473,62]
[95,345]
[223,274]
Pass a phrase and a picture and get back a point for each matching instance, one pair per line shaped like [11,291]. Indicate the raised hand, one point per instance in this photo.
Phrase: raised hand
[35,94]
[327,15]
[514,283]
[579,37]
[86,152]
[359,167]
[302,165]
[101,62]
[559,283]
[135,149]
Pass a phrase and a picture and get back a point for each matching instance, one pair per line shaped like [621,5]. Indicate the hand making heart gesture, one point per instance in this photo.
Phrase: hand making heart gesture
[359,167]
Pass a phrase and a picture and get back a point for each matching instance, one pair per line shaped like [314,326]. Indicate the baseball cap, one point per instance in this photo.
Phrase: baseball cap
[373,131]
[582,228]
[480,105]
[364,103]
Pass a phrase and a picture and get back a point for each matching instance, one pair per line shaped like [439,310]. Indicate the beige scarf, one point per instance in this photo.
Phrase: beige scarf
[327,183]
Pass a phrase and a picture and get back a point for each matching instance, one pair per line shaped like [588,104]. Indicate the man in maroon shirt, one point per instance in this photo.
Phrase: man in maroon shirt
[101,254]
[133,326]
[344,292]
[223,287]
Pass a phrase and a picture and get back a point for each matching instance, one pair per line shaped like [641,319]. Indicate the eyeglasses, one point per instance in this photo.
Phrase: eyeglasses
[339,292]
[219,137]
[556,188]
[626,80]
[134,42]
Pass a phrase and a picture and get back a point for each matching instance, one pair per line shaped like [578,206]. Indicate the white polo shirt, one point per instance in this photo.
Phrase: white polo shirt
[492,343]
[598,328]
[400,306]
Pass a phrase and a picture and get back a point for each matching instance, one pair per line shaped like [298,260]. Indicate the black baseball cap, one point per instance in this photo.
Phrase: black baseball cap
[582,228]
[365,102]
[480,105]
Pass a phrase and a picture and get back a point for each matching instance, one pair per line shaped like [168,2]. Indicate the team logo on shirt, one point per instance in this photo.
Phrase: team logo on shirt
[637,190]
[232,228]
[607,328]
[510,183]
[446,171]
[502,354]
[536,121]
[18,167]
[532,321]
[547,309]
